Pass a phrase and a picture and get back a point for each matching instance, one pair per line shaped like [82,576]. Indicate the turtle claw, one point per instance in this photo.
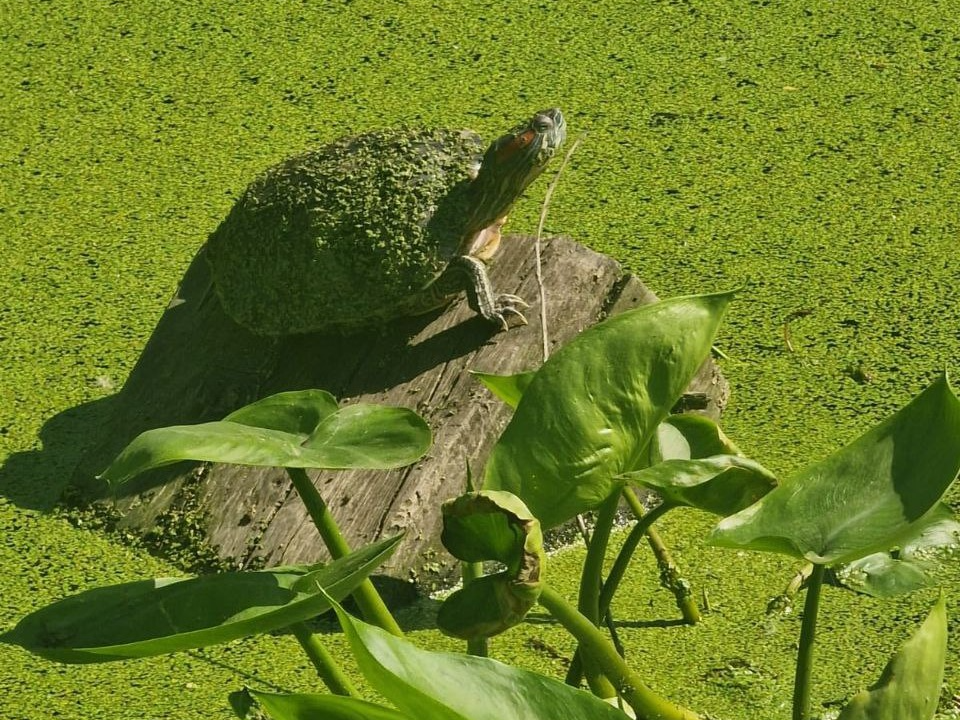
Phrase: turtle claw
[506,305]
[507,301]
[491,306]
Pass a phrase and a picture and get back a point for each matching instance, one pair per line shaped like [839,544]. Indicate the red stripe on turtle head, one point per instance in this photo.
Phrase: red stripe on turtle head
[513,144]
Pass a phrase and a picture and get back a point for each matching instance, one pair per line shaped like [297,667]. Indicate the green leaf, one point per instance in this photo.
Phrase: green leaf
[590,411]
[489,525]
[487,606]
[296,429]
[329,707]
[155,617]
[723,484]
[690,437]
[509,388]
[369,436]
[679,436]
[452,686]
[913,566]
[865,497]
[492,525]
[297,411]
[909,687]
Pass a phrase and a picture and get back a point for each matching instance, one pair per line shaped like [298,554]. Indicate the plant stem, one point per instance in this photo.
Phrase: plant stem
[471,571]
[368,599]
[617,572]
[669,573]
[645,702]
[620,565]
[591,578]
[671,578]
[591,582]
[327,668]
[575,670]
[781,603]
[808,631]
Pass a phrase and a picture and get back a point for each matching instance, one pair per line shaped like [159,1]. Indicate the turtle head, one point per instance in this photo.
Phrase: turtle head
[510,164]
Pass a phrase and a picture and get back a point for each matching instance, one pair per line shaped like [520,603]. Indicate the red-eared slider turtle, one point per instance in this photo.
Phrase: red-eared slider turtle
[375,227]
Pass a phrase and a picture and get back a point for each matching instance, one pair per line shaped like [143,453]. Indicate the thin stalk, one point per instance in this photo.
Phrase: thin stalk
[669,573]
[634,502]
[645,702]
[327,668]
[538,267]
[371,605]
[591,578]
[611,626]
[617,572]
[575,669]
[591,582]
[808,631]
[671,578]
[781,604]
[471,571]
[620,565]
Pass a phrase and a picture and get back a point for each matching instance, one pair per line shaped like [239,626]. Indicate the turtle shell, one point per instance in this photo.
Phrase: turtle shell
[347,236]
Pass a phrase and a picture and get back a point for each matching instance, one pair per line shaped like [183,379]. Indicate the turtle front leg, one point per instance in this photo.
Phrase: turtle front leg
[491,306]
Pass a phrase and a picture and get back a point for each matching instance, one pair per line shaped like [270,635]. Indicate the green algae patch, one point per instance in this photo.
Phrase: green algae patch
[807,148]
[178,534]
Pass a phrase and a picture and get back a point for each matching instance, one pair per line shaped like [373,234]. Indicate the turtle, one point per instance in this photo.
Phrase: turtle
[377,226]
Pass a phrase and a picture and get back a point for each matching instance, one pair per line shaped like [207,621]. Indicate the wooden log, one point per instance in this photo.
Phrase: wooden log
[199,366]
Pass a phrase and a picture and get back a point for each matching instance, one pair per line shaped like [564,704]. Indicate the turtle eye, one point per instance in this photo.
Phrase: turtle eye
[542,123]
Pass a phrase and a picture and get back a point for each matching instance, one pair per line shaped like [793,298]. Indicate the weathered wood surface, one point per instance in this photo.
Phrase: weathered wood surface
[199,366]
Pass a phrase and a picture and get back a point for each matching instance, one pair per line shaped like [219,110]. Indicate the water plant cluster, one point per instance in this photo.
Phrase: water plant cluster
[590,428]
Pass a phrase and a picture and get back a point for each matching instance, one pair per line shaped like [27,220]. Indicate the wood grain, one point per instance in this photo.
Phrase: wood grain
[199,366]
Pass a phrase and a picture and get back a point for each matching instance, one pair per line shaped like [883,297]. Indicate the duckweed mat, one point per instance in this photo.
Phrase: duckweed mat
[802,151]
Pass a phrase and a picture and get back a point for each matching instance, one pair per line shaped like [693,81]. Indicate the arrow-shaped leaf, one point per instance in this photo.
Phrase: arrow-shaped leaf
[588,414]
[909,687]
[328,707]
[509,388]
[913,566]
[864,498]
[301,429]
[297,412]
[155,617]
[452,686]
[689,437]
[723,484]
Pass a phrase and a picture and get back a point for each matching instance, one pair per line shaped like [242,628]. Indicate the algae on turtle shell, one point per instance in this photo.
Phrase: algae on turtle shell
[359,232]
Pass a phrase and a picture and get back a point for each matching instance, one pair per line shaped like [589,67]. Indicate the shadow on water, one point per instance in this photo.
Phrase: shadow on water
[36,479]
[198,366]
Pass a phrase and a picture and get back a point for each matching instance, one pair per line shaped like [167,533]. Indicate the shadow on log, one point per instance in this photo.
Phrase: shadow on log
[199,366]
